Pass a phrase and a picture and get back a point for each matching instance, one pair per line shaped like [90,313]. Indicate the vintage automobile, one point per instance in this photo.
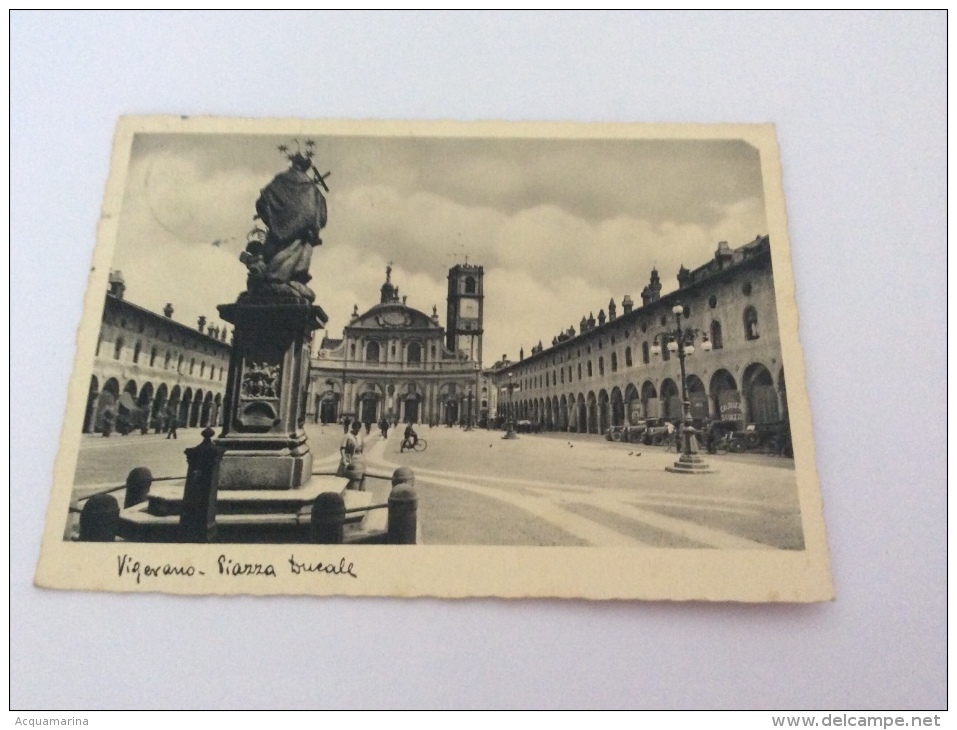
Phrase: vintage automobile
[614,433]
[768,438]
[631,434]
[656,432]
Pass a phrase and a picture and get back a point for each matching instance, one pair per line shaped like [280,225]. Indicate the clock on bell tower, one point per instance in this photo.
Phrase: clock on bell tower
[465,311]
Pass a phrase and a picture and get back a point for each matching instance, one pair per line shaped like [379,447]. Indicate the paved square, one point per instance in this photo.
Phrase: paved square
[541,489]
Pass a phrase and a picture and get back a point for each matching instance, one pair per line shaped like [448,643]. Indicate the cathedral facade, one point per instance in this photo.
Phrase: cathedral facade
[395,362]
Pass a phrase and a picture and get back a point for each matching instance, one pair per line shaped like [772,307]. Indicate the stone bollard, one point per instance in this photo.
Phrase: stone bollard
[327,518]
[197,521]
[100,519]
[138,483]
[356,474]
[403,507]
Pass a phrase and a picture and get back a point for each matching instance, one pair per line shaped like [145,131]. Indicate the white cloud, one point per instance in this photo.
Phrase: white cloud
[547,264]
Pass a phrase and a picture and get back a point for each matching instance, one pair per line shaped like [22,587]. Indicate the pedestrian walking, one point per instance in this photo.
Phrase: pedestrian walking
[172,425]
[712,437]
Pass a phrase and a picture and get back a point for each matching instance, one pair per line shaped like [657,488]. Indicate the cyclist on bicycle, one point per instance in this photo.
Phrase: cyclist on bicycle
[410,439]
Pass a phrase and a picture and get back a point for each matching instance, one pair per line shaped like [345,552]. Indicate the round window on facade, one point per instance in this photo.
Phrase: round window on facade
[746,288]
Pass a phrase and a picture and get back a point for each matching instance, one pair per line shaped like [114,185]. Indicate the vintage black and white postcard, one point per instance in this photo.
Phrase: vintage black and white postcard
[440,359]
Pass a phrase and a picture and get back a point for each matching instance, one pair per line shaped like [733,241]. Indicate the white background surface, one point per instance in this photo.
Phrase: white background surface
[859,101]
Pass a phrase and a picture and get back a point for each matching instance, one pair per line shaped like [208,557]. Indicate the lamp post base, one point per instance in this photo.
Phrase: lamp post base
[510,431]
[691,464]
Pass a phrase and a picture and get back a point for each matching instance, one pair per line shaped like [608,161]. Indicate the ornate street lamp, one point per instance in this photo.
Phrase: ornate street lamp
[680,341]
[468,422]
[510,422]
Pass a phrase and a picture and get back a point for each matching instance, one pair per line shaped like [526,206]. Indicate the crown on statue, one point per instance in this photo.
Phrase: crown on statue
[300,157]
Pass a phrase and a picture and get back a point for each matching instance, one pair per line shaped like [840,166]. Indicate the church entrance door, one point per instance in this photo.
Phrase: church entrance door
[368,414]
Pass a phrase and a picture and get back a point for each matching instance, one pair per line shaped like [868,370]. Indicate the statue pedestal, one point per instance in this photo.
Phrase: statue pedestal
[265,406]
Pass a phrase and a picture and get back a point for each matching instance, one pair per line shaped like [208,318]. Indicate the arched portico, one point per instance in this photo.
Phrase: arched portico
[184,405]
[725,397]
[592,413]
[698,397]
[671,400]
[206,410]
[157,413]
[761,397]
[633,407]
[649,400]
[617,407]
[604,411]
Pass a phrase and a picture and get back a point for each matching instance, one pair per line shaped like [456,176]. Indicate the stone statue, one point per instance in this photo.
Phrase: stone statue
[293,209]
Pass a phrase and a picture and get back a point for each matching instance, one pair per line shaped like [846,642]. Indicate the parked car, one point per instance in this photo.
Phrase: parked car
[615,433]
[655,433]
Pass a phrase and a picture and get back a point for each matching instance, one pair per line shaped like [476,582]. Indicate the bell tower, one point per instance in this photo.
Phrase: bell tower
[466,310]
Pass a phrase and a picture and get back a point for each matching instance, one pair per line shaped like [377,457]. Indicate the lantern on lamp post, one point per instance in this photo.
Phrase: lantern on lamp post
[680,341]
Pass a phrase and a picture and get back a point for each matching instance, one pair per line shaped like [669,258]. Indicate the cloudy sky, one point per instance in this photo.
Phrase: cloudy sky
[560,225]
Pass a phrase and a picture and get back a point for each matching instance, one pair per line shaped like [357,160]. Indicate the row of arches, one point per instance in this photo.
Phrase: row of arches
[148,406]
[758,400]
[555,373]
[411,402]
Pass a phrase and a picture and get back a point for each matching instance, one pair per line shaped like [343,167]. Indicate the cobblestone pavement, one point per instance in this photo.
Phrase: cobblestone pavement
[550,489]
[592,492]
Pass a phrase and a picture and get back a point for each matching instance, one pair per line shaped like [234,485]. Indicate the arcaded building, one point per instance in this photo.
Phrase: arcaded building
[148,366]
[605,374]
[398,363]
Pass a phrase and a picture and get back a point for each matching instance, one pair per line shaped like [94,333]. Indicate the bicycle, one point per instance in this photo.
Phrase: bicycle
[420,445]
